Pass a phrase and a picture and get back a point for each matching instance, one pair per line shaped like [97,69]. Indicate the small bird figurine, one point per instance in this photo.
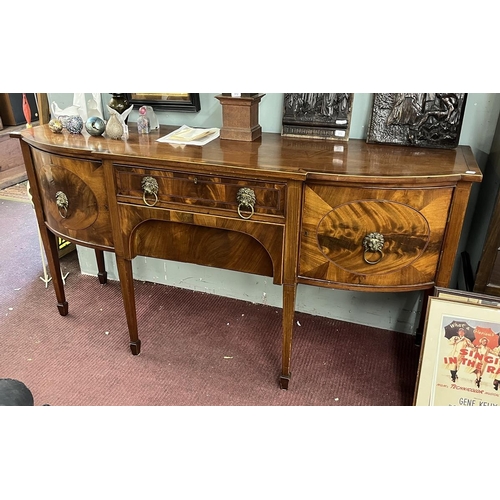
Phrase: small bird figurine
[27,111]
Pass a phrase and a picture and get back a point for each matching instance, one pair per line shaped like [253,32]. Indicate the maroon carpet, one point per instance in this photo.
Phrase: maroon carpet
[197,349]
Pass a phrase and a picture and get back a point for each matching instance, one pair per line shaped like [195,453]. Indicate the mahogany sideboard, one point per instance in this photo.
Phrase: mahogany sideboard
[345,215]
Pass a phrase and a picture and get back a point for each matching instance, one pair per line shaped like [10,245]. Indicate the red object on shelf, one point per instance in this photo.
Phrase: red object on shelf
[26,111]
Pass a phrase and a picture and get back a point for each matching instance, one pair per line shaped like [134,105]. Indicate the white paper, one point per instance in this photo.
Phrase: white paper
[191,136]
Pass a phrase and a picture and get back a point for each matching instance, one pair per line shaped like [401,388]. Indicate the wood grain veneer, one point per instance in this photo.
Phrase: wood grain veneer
[315,203]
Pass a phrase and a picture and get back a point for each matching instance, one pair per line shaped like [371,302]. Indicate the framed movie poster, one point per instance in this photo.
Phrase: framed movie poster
[460,357]
[413,119]
[317,116]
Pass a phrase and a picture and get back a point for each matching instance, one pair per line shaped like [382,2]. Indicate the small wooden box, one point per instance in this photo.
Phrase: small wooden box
[240,117]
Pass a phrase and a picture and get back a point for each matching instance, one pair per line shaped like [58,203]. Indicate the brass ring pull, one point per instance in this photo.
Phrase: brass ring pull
[243,216]
[62,204]
[146,201]
[150,188]
[372,262]
[246,198]
[373,243]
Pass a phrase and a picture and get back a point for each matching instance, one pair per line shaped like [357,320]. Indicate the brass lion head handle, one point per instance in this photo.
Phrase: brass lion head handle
[373,243]
[62,204]
[150,188]
[246,199]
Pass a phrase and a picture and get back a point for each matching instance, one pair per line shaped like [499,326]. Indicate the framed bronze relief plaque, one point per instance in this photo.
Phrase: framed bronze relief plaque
[427,120]
[317,116]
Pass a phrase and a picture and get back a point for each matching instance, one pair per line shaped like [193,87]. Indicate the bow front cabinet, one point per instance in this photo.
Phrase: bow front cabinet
[344,215]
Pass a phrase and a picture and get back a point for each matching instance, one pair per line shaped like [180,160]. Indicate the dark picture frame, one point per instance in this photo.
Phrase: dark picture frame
[464,296]
[173,101]
[417,119]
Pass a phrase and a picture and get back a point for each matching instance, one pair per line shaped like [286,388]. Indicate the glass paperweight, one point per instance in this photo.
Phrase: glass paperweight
[143,121]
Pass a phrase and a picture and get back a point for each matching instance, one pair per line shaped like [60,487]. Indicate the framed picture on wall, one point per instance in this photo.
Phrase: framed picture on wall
[166,101]
[460,357]
[413,119]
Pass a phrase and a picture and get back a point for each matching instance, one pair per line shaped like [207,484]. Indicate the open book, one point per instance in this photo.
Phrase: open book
[189,135]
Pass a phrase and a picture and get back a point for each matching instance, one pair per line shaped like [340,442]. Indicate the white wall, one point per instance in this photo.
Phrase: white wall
[391,311]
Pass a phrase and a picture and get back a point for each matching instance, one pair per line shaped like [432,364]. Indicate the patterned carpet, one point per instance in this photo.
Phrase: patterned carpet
[17,192]
[197,349]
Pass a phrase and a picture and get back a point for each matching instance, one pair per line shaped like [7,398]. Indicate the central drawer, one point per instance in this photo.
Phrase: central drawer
[192,191]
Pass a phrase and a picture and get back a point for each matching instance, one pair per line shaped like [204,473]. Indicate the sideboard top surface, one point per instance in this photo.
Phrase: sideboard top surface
[283,156]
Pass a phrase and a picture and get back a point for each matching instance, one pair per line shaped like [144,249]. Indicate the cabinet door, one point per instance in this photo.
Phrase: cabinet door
[340,224]
[74,198]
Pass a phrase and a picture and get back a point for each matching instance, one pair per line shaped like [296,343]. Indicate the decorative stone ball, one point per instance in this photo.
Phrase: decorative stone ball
[56,126]
[95,126]
[74,125]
